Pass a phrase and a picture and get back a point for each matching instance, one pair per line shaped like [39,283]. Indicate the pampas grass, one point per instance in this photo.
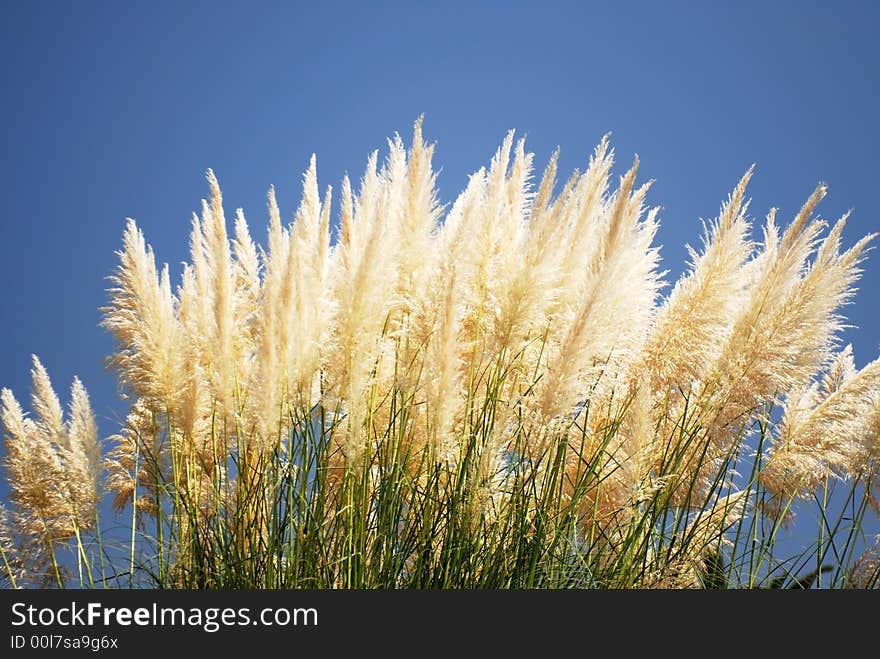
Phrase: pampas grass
[493,394]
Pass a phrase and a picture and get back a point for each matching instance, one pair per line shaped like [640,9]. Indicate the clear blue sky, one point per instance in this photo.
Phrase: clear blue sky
[112,110]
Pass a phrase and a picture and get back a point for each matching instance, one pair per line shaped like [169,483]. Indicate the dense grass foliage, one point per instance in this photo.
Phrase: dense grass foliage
[491,395]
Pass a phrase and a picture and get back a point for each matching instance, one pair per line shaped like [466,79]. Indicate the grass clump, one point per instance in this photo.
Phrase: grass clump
[493,395]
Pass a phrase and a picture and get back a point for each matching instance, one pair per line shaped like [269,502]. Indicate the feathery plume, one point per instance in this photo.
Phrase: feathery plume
[138,461]
[824,433]
[53,467]
[141,318]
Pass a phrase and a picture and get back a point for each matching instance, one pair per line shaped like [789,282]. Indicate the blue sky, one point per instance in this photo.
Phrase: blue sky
[113,110]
